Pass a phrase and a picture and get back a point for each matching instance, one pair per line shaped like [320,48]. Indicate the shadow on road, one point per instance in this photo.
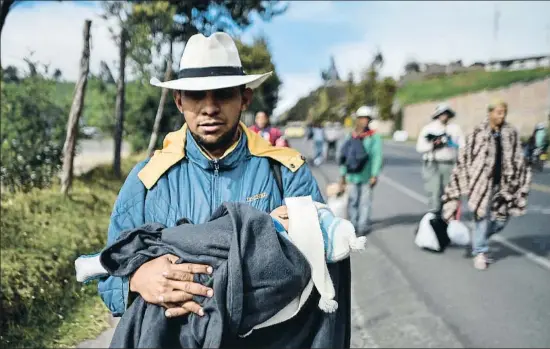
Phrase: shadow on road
[400,161]
[537,244]
[401,219]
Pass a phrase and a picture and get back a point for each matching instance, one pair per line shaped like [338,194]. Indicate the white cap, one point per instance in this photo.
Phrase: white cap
[365,111]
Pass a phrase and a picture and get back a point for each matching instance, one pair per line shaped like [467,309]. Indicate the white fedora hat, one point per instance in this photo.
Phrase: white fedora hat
[210,63]
[443,108]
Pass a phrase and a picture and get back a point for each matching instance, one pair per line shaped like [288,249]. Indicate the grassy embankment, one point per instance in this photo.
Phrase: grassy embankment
[42,234]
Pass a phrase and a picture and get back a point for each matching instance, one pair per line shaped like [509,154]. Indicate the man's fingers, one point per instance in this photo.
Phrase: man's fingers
[192,268]
[175,297]
[190,287]
[178,275]
[186,308]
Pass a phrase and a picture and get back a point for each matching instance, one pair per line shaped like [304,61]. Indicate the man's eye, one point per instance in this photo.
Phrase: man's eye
[224,93]
[195,95]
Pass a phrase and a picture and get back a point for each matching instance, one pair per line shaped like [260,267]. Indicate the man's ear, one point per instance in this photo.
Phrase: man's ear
[178,100]
[247,98]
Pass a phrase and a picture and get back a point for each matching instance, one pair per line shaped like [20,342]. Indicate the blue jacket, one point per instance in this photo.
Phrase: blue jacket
[180,181]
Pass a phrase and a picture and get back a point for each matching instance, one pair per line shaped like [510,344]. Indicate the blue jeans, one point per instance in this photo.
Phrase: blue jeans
[359,206]
[484,228]
[318,149]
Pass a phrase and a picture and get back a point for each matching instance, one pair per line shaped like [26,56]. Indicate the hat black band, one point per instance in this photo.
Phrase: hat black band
[210,71]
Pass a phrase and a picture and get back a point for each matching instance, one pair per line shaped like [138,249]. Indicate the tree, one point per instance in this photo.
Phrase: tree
[412,66]
[10,74]
[175,21]
[57,74]
[121,12]
[256,59]
[76,111]
[385,93]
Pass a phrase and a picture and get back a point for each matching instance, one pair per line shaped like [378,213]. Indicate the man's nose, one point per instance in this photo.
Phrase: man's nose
[210,104]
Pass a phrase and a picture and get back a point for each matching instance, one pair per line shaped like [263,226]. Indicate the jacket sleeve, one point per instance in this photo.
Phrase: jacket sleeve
[376,155]
[301,183]
[128,213]
[422,144]
[458,183]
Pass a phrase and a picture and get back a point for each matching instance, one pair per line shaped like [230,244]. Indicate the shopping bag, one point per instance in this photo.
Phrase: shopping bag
[432,233]
[337,202]
[458,232]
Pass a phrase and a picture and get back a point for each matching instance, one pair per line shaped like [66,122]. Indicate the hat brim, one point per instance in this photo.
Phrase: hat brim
[438,114]
[212,82]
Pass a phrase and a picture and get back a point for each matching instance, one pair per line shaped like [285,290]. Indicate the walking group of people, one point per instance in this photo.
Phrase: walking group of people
[487,168]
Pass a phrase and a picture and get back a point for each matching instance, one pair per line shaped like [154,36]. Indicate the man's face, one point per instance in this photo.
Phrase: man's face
[213,116]
[261,119]
[362,122]
[444,118]
[497,115]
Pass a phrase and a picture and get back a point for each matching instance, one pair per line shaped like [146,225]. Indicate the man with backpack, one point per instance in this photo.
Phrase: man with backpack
[360,164]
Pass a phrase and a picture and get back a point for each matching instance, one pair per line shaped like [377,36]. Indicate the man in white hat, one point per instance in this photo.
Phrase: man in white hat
[360,164]
[439,142]
[213,158]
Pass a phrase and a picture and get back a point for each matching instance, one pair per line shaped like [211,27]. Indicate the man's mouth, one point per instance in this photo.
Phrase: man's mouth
[211,127]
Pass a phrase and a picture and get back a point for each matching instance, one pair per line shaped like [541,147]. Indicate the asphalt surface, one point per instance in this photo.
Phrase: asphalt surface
[406,297]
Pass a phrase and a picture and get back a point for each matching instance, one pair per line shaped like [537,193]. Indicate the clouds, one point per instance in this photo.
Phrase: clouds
[302,39]
[445,31]
[294,87]
[53,30]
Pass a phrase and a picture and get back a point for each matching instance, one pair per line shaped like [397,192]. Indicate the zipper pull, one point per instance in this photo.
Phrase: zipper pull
[216,167]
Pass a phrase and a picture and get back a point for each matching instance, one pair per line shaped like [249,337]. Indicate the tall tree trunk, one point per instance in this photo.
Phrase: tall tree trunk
[76,111]
[120,98]
[160,109]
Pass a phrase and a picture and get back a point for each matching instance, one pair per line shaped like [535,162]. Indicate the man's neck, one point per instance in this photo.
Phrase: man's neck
[218,153]
[495,127]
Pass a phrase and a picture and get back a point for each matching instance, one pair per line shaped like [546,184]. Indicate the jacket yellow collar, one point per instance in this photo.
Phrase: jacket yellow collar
[173,151]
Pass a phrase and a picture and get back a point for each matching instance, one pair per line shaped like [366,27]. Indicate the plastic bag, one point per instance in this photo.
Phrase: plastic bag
[458,233]
[425,236]
[339,205]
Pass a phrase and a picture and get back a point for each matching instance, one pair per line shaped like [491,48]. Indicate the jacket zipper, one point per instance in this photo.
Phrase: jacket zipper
[215,185]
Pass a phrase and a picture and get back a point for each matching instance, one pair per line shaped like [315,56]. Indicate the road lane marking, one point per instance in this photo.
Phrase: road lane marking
[541,261]
[540,187]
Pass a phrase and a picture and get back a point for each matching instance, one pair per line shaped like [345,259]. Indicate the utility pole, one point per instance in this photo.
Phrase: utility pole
[496,18]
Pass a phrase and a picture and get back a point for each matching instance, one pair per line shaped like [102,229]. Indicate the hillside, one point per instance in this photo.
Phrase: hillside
[427,90]
[450,86]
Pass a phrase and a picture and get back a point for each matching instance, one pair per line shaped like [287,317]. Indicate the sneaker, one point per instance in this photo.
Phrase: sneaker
[480,262]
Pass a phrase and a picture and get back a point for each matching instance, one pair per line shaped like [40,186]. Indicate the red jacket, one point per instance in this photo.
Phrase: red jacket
[271,134]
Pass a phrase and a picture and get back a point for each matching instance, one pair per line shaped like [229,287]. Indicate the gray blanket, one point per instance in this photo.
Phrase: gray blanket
[256,273]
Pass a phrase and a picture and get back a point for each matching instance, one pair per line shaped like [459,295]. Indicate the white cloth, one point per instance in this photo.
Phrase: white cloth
[436,127]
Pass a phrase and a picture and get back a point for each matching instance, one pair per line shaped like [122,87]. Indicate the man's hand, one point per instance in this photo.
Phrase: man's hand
[170,285]
[373,181]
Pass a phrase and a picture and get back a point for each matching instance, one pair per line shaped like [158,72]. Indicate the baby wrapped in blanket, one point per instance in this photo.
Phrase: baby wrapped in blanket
[309,235]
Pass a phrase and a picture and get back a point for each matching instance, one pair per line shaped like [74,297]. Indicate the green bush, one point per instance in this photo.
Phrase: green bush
[32,133]
[42,234]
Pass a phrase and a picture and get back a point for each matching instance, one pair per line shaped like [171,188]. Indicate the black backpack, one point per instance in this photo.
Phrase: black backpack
[353,155]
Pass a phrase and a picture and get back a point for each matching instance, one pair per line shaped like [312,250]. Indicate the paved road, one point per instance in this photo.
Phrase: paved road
[92,152]
[405,297]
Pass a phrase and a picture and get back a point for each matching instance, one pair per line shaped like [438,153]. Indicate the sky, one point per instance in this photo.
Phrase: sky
[303,39]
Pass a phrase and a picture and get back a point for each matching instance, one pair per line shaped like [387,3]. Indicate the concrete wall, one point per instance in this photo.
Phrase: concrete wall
[527,103]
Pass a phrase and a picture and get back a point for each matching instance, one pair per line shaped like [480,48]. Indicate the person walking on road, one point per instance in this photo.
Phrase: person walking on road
[439,142]
[262,126]
[360,164]
[318,136]
[491,171]
[214,158]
